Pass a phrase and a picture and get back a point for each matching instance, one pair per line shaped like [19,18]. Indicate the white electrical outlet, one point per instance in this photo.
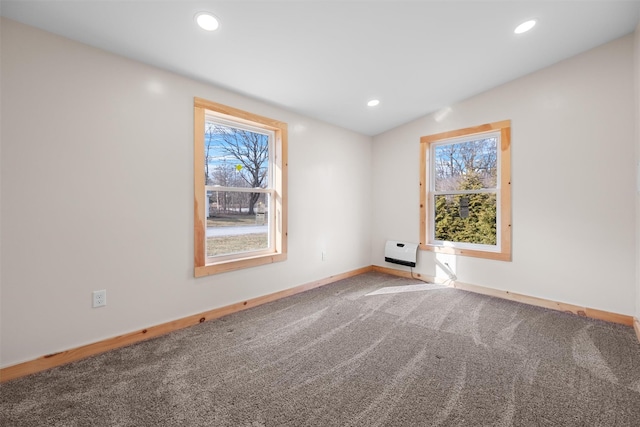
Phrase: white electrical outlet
[324,255]
[99,298]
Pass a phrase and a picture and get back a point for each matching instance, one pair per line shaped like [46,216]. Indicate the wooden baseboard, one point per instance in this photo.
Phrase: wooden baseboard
[401,273]
[636,326]
[540,302]
[56,359]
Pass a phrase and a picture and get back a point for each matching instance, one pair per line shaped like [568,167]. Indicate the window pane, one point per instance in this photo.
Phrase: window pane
[466,165]
[237,222]
[468,218]
[235,157]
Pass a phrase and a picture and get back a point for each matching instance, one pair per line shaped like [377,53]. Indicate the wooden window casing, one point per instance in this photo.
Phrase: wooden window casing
[502,250]
[277,250]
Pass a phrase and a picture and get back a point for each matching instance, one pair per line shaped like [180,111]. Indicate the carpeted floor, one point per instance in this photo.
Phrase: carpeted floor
[413,355]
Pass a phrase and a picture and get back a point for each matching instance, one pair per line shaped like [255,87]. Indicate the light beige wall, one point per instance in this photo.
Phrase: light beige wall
[637,81]
[1,185]
[97,193]
[573,187]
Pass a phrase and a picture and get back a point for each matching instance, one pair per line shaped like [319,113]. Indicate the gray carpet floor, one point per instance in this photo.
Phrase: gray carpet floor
[371,350]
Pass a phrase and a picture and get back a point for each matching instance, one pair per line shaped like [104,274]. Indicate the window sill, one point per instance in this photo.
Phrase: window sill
[238,263]
[449,250]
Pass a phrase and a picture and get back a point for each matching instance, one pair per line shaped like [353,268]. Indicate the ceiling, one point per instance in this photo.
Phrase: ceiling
[326,59]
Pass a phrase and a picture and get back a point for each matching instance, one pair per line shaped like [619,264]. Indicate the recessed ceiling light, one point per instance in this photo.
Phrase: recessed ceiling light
[373,103]
[207,21]
[525,26]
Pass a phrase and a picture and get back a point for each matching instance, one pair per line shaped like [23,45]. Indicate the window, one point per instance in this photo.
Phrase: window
[240,173]
[465,196]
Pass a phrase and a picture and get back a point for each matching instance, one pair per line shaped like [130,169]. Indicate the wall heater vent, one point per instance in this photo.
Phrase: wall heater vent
[402,253]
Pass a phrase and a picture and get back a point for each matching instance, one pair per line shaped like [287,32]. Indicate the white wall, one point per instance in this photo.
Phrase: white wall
[97,193]
[637,81]
[573,182]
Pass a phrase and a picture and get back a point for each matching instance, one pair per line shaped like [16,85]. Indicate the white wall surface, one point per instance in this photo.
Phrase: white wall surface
[97,193]
[573,182]
[637,78]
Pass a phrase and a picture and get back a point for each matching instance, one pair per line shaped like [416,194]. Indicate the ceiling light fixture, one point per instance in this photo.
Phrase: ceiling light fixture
[373,103]
[525,26]
[207,21]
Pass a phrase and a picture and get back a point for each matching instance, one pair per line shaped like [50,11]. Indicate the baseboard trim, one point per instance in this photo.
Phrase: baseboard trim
[636,326]
[540,302]
[57,359]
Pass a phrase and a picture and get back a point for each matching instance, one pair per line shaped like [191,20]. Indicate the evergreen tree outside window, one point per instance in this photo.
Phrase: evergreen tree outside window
[465,201]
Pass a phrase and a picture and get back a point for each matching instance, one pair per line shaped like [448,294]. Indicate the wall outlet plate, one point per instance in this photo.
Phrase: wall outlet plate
[99,298]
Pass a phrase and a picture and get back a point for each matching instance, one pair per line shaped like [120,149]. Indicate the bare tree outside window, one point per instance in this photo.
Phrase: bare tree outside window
[250,153]
[236,159]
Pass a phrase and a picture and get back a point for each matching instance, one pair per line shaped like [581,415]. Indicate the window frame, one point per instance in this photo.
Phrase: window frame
[269,189]
[502,250]
[277,251]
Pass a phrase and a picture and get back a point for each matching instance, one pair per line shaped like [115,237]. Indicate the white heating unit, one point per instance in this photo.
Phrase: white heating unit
[401,253]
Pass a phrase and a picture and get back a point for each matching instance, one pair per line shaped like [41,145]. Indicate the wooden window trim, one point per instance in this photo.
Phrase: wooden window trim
[504,127]
[202,267]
